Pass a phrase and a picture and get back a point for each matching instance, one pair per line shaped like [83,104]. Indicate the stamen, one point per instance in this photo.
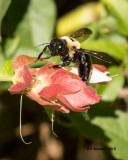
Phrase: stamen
[115,75]
[52,125]
[21,98]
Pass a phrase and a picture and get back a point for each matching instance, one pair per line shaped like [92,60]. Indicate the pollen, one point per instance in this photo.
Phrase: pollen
[40,84]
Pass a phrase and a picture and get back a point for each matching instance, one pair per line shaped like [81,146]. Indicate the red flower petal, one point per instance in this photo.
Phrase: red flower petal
[86,96]
[22,85]
[63,99]
[46,70]
[61,83]
[55,106]
[71,91]
[23,60]
[99,67]
[32,71]
[20,72]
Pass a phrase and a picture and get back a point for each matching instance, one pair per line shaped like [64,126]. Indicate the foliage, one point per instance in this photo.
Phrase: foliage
[33,23]
[3,8]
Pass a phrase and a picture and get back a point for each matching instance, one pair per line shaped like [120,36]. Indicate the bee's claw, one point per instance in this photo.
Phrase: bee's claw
[36,60]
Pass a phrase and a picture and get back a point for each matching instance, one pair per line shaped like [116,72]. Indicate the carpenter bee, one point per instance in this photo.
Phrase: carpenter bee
[69,50]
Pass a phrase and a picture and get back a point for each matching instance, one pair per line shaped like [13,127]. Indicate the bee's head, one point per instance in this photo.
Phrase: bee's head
[58,47]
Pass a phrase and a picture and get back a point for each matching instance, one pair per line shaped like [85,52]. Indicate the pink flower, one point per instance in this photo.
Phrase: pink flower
[99,74]
[56,89]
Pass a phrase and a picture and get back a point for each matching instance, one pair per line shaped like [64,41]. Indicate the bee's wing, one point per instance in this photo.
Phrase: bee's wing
[100,55]
[81,35]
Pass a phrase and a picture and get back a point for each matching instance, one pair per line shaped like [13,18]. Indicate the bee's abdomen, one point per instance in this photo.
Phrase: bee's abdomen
[84,67]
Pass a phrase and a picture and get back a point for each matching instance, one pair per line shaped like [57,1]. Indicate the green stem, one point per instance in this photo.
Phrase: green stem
[6,78]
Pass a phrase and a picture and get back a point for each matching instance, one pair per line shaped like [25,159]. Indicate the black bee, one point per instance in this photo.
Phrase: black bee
[69,50]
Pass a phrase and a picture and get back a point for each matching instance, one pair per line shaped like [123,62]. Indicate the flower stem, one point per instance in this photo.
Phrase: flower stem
[6,78]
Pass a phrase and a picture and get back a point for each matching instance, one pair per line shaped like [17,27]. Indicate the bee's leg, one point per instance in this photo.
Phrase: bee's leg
[42,52]
[66,63]
[84,67]
[48,56]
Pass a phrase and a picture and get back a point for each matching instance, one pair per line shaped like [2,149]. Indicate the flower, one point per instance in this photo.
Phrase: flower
[99,74]
[57,89]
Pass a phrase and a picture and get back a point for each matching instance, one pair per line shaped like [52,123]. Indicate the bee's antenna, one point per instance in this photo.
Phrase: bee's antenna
[41,44]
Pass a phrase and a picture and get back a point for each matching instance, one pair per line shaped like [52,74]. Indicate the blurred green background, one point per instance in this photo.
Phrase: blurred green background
[28,23]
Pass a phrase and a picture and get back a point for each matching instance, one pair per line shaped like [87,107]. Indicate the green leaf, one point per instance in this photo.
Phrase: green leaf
[94,27]
[109,21]
[11,46]
[108,29]
[126,66]
[110,91]
[1,56]
[33,24]
[111,48]
[4,4]
[120,11]
[116,129]
[5,85]
[6,71]
[79,17]
[106,126]
[115,37]
[36,27]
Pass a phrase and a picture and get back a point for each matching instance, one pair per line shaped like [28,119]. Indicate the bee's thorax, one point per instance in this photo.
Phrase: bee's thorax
[71,43]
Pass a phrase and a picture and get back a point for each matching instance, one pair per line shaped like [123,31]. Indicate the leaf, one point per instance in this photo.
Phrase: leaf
[94,27]
[115,37]
[106,126]
[37,26]
[5,85]
[33,24]
[1,56]
[111,48]
[6,69]
[79,17]
[110,91]
[4,4]
[116,129]
[126,65]
[108,22]
[120,11]
[11,46]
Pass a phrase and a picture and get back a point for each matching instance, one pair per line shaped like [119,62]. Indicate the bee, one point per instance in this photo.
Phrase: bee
[69,50]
